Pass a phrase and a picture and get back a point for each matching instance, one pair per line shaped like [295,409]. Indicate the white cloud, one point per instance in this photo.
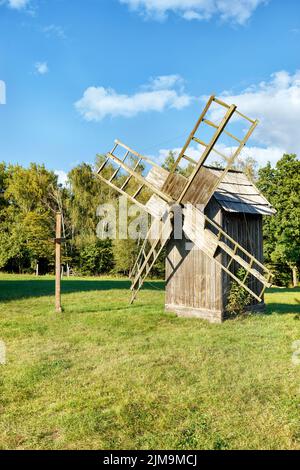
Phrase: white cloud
[164,92]
[2,92]
[17,4]
[54,30]
[263,155]
[62,177]
[165,81]
[260,154]
[276,103]
[41,68]
[237,11]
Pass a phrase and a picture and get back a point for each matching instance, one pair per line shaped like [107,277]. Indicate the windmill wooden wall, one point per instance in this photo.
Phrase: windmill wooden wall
[247,229]
[195,285]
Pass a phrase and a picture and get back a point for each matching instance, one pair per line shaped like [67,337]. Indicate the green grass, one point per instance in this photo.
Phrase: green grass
[106,375]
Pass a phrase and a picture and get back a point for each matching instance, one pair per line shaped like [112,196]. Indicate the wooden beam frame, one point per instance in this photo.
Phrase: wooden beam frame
[215,126]
[139,178]
[225,105]
[134,152]
[208,150]
[232,160]
[211,99]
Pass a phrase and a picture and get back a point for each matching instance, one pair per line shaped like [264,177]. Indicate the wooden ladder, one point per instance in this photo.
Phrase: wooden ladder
[150,251]
[209,237]
[219,128]
[116,164]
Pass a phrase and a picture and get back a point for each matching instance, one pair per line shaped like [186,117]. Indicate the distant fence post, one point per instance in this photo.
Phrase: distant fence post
[58,241]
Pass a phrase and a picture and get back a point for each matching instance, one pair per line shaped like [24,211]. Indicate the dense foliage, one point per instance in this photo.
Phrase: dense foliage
[281,186]
[238,297]
[29,198]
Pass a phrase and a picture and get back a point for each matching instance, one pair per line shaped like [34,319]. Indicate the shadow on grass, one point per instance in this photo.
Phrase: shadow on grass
[22,289]
[284,290]
[283,307]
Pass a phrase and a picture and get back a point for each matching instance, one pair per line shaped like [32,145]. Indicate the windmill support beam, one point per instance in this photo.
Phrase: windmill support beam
[58,241]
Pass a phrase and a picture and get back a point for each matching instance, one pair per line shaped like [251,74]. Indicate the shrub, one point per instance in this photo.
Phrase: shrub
[238,297]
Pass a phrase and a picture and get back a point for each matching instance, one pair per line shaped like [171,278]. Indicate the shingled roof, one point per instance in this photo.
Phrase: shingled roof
[237,193]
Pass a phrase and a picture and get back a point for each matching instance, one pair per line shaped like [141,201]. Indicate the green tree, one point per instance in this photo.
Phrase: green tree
[170,162]
[30,189]
[96,258]
[26,218]
[3,186]
[281,186]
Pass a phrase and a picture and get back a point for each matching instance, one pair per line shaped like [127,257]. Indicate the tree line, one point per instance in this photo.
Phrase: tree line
[30,197]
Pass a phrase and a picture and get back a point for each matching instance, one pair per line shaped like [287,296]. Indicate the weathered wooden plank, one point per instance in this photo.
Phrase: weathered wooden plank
[194,280]
[174,185]
[204,181]
[156,206]
[157,177]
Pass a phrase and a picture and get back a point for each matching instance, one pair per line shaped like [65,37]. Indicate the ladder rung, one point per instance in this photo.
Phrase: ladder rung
[138,191]
[263,291]
[126,182]
[116,145]
[125,156]
[212,124]
[216,100]
[102,165]
[189,159]
[220,102]
[137,164]
[260,277]
[246,117]
[114,174]
[244,264]
[232,259]
[130,176]
[199,141]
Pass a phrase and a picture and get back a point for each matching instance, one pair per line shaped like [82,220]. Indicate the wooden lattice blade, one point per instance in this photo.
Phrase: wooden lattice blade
[140,189]
[157,237]
[207,236]
[184,192]
[208,183]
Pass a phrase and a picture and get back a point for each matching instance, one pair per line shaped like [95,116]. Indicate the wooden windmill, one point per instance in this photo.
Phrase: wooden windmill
[215,205]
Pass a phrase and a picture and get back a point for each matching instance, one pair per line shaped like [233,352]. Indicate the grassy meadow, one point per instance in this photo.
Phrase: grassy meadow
[106,375]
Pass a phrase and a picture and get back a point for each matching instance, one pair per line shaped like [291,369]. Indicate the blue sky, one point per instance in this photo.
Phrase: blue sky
[81,73]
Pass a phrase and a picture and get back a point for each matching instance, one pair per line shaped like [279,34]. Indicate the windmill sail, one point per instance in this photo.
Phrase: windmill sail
[123,168]
[212,239]
[188,191]
[156,239]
